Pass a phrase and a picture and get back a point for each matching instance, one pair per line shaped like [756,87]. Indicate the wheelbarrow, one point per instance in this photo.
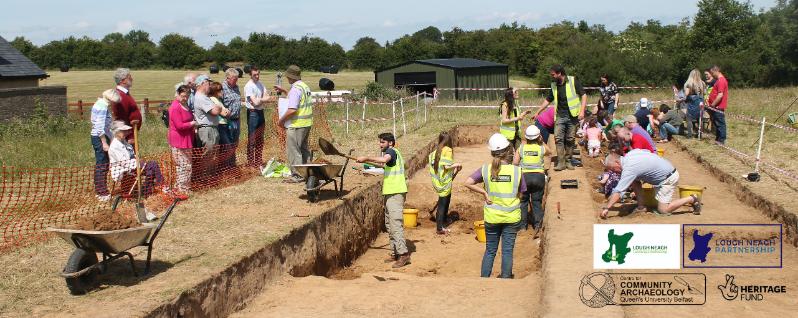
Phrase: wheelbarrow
[317,175]
[82,268]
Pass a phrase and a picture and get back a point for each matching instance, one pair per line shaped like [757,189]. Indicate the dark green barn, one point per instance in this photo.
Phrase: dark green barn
[445,74]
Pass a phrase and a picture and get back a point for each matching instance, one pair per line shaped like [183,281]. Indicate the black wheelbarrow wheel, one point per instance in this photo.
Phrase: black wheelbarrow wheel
[79,260]
[313,195]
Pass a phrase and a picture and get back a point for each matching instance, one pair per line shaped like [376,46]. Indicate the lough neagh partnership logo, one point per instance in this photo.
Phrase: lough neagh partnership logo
[732,245]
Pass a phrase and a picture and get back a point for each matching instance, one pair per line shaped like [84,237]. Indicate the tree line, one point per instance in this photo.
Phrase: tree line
[753,48]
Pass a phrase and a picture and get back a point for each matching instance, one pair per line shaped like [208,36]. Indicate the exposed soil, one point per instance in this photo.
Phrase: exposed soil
[107,220]
[446,268]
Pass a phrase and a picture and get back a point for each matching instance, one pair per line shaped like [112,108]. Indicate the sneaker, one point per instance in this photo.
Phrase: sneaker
[103,198]
[696,204]
[180,195]
[403,260]
[443,231]
[151,216]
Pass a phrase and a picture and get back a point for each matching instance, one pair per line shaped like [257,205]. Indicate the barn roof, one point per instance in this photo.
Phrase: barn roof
[14,64]
[452,63]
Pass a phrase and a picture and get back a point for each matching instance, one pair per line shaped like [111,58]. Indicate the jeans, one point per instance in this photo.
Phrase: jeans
[610,108]
[564,132]
[719,121]
[443,211]
[101,166]
[255,126]
[666,130]
[505,232]
[535,186]
[544,132]
[229,135]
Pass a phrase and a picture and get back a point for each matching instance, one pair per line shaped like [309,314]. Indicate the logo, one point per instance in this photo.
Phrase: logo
[502,178]
[732,245]
[599,289]
[620,243]
[636,246]
[731,291]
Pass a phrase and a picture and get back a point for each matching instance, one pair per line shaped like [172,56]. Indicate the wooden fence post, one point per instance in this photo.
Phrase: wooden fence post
[80,108]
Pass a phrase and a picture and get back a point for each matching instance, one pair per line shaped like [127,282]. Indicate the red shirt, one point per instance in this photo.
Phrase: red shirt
[721,85]
[640,142]
[126,109]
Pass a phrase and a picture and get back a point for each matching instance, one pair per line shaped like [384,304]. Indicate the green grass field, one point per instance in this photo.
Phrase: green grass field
[70,146]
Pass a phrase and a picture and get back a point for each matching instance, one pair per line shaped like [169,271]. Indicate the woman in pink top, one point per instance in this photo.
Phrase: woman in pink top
[181,137]
[545,122]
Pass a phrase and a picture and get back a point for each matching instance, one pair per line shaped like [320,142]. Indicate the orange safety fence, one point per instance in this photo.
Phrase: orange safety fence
[33,199]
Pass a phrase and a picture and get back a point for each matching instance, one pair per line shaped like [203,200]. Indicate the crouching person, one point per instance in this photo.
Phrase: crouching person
[650,168]
[394,189]
[502,212]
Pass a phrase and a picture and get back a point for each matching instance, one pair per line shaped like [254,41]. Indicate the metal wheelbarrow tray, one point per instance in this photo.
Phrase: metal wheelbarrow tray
[82,267]
[317,175]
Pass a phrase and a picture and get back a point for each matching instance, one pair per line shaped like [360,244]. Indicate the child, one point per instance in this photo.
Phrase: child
[530,158]
[442,169]
[594,136]
[394,189]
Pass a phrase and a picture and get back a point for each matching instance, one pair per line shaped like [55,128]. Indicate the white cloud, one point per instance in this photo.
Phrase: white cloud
[124,26]
[388,23]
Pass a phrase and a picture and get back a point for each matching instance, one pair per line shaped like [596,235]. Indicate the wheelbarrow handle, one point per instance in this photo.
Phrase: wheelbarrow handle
[163,220]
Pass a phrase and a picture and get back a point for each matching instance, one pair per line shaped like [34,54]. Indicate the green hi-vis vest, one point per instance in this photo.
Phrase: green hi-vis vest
[510,130]
[304,113]
[393,180]
[531,158]
[441,180]
[503,193]
[574,100]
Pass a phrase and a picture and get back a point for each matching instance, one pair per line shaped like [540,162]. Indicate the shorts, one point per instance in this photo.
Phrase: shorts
[666,189]
[594,144]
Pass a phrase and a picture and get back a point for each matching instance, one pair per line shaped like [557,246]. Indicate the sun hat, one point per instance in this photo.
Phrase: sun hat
[119,125]
[293,72]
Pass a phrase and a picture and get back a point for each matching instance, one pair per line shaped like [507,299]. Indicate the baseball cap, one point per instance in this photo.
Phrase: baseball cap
[644,102]
[202,78]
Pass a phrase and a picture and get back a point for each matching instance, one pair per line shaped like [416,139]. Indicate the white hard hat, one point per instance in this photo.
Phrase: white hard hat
[532,132]
[497,142]
[644,102]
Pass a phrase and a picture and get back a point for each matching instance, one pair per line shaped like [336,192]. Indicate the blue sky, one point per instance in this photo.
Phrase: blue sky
[339,21]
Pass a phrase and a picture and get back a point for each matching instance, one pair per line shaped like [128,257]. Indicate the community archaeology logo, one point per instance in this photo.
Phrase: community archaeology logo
[636,246]
[597,290]
[732,245]
[733,291]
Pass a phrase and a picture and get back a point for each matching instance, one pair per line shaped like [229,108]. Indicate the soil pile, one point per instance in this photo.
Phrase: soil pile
[107,221]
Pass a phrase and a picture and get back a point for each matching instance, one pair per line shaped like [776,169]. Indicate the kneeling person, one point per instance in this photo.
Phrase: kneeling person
[394,189]
[650,168]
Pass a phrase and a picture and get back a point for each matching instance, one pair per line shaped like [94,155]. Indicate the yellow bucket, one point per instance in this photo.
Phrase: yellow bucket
[479,228]
[649,197]
[410,217]
[660,152]
[687,190]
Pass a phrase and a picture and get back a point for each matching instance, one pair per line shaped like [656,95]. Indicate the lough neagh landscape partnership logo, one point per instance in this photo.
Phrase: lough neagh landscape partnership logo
[636,246]
[732,245]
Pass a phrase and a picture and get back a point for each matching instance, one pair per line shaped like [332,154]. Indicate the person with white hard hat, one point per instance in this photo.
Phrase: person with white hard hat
[502,211]
[529,158]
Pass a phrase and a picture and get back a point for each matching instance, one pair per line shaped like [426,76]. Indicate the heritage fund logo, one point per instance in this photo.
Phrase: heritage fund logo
[597,290]
[732,245]
[731,291]
[636,246]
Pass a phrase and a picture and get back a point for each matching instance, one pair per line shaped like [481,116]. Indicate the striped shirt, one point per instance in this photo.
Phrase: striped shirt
[101,119]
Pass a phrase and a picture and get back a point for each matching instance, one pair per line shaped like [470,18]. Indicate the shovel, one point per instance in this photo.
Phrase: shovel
[328,149]
[141,212]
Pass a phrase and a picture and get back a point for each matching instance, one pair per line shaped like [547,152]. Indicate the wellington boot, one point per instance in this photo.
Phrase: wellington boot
[568,163]
[561,157]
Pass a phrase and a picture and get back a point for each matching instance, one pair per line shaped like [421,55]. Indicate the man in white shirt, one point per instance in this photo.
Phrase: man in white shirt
[256,97]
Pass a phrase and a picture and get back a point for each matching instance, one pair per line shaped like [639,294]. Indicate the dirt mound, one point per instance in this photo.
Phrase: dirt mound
[107,221]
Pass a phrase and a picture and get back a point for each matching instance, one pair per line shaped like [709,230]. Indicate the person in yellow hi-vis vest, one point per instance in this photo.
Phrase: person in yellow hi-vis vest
[568,95]
[394,189]
[442,170]
[509,119]
[530,158]
[502,212]
[300,115]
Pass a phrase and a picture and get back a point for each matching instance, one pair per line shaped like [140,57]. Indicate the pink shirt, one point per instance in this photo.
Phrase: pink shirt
[546,118]
[181,132]
[593,133]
